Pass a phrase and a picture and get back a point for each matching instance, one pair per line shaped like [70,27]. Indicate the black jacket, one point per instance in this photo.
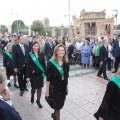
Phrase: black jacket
[48,51]
[116,48]
[31,67]
[18,58]
[8,112]
[103,54]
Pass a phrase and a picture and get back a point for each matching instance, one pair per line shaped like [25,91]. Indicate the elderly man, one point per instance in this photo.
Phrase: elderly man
[7,111]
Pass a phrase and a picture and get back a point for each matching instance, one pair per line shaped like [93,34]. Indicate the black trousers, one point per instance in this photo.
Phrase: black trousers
[22,79]
[102,69]
[117,61]
[109,63]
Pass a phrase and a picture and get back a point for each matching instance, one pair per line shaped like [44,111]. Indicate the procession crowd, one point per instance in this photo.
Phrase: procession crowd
[30,59]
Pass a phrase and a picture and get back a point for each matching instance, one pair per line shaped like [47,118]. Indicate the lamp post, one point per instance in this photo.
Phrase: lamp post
[115,14]
[17,19]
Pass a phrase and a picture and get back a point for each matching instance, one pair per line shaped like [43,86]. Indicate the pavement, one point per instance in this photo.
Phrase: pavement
[86,92]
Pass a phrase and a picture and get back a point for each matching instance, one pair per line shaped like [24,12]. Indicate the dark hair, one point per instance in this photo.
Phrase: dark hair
[33,43]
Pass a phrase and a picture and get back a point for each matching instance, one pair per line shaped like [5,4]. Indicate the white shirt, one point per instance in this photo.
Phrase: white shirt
[78,45]
[109,49]
[119,43]
[22,47]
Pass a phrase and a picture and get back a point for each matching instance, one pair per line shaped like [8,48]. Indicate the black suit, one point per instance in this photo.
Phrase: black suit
[103,58]
[48,50]
[116,47]
[8,112]
[19,61]
[70,51]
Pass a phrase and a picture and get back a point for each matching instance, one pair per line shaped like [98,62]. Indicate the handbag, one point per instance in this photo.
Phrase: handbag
[50,101]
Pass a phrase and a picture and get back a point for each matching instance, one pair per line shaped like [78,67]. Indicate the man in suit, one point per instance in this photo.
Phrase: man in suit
[103,59]
[49,49]
[19,54]
[116,48]
[7,111]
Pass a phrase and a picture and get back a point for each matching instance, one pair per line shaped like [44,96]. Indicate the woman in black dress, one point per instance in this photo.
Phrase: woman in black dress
[57,79]
[110,107]
[35,71]
[7,63]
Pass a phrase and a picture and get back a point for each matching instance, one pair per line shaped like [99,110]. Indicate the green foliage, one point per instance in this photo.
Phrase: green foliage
[49,30]
[20,24]
[37,26]
[118,26]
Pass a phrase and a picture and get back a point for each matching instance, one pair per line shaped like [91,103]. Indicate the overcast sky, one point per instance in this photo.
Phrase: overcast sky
[30,10]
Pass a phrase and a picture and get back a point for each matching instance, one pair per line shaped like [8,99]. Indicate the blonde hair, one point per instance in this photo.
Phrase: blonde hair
[55,57]
[118,72]
[8,45]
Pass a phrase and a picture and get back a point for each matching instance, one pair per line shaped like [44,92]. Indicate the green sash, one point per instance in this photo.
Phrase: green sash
[58,67]
[8,54]
[35,60]
[116,80]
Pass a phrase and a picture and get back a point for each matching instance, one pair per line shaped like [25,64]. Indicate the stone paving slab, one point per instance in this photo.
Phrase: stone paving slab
[84,97]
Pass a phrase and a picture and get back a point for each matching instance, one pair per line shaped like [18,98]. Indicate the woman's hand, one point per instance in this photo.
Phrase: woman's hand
[27,79]
[46,94]
[100,118]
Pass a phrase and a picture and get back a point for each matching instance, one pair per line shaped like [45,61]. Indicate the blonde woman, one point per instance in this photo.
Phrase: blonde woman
[7,63]
[57,80]
[110,107]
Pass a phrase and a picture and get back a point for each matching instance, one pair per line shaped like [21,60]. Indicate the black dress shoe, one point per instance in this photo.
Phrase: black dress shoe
[107,79]
[26,89]
[52,116]
[114,71]
[38,103]
[32,99]
[15,85]
[21,93]
[109,70]
[100,76]
[9,85]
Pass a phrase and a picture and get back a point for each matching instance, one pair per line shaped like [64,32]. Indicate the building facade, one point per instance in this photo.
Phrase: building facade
[93,24]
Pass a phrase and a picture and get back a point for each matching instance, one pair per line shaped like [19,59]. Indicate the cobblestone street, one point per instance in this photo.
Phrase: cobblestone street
[84,98]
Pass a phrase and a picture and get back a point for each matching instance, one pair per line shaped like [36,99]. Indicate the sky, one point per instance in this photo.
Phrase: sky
[55,10]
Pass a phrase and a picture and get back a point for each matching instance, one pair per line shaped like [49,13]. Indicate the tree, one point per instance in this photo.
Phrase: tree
[37,26]
[20,24]
[49,30]
[118,26]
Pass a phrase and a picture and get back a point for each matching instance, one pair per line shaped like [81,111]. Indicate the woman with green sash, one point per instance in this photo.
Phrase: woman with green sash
[110,106]
[35,71]
[7,63]
[57,80]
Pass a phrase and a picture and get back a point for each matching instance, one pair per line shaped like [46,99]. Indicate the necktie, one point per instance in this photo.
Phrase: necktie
[22,47]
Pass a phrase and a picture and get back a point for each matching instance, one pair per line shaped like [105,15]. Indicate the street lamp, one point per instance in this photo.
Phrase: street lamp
[17,19]
[68,18]
[115,14]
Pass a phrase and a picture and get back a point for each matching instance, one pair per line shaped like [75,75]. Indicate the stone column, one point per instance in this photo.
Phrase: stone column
[62,30]
[71,31]
[53,31]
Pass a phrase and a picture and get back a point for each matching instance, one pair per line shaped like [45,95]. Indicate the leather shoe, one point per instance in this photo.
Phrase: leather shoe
[21,93]
[100,76]
[107,79]
[38,103]
[15,85]
[114,71]
[26,89]
[9,85]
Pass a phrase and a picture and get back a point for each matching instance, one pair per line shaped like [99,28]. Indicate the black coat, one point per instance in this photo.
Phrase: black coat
[116,48]
[18,58]
[32,67]
[48,51]
[7,61]
[103,54]
[33,72]
[8,112]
